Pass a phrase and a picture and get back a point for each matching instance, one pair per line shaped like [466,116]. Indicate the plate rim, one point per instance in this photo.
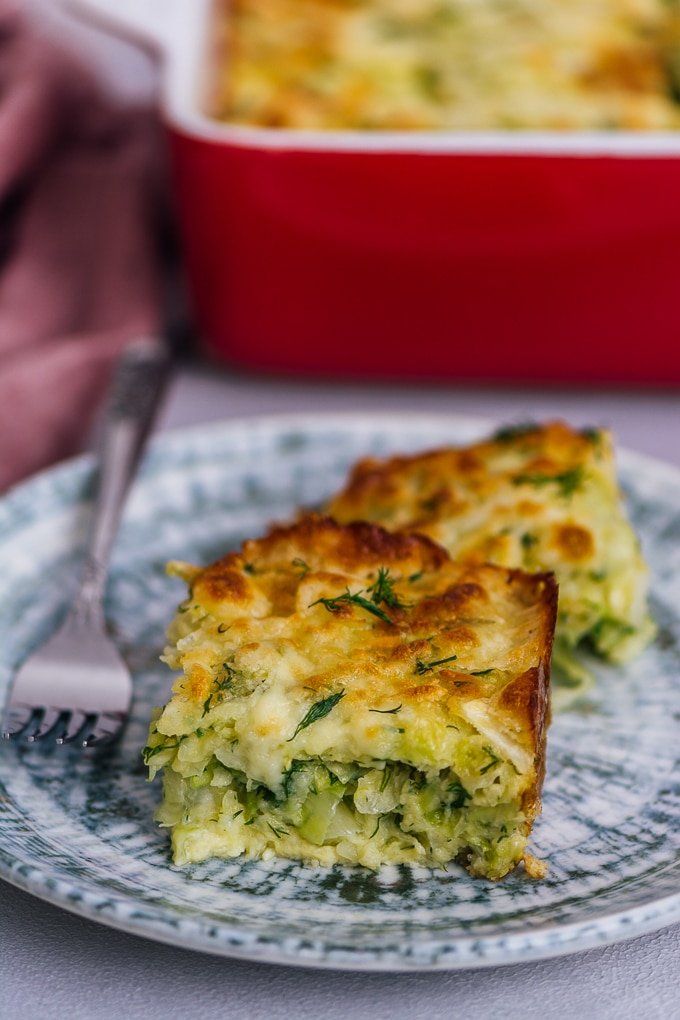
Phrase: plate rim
[592,937]
[499,950]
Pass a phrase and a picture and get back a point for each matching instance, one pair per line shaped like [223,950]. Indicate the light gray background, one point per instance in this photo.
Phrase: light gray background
[52,963]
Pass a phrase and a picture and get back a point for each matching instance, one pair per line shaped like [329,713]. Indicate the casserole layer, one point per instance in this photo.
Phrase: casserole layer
[351,695]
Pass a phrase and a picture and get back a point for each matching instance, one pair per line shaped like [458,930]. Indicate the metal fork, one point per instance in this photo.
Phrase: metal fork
[76,687]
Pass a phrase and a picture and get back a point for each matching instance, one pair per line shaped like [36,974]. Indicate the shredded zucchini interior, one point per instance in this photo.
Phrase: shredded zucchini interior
[367,813]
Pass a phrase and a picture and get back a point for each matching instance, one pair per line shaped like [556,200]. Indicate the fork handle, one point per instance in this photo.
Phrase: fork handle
[136,390]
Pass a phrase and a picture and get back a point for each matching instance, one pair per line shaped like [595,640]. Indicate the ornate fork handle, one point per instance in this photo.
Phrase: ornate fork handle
[137,388]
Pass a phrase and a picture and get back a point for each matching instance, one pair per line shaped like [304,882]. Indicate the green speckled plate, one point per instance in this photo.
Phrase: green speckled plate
[78,831]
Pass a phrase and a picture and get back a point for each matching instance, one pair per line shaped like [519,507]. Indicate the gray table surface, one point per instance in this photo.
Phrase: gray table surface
[54,963]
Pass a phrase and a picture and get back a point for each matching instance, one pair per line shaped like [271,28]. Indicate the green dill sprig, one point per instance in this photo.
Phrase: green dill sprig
[387,772]
[528,540]
[149,752]
[301,565]
[319,710]
[377,826]
[382,590]
[278,832]
[221,685]
[459,794]
[481,672]
[494,761]
[568,481]
[593,435]
[294,767]
[425,667]
[508,433]
[335,604]
[386,711]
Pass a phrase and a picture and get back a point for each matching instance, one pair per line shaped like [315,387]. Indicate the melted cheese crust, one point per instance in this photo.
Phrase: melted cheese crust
[258,649]
[535,497]
[449,64]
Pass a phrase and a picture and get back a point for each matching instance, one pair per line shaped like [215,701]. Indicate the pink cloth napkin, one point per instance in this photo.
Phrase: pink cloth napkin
[80,196]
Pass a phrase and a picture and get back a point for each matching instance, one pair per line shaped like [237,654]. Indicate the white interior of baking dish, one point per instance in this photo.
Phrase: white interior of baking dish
[179,30]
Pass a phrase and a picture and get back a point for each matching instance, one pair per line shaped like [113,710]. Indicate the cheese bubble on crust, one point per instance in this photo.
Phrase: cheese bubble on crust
[347,694]
[535,497]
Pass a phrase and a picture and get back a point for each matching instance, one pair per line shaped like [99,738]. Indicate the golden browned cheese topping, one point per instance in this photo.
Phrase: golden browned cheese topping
[388,618]
[448,64]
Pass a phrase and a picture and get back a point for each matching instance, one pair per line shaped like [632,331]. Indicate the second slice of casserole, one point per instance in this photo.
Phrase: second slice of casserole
[351,695]
[536,497]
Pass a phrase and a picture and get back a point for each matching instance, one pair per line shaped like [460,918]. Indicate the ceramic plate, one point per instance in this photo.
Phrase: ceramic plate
[77,830]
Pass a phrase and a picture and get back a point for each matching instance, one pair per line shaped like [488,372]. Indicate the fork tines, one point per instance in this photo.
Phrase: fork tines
[65,726]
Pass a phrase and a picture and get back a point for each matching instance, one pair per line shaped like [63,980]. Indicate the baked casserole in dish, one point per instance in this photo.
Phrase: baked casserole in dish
[586,65]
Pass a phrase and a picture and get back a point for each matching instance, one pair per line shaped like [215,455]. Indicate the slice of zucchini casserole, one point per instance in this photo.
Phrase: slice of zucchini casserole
[535,497]
[352,695]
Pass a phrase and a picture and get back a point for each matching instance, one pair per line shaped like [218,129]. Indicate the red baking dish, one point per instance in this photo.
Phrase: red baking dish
[432,255]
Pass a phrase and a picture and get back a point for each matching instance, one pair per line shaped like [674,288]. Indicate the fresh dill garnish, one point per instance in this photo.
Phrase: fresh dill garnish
[319,710]
[425,667]
[249,568]
[377,826]
[149,752]
[494,761]
[223,628]
[221,685]
[385,778]
[278,832]
[608,623]
[295,766]
[458,794]
[416,577]
[429,81]
[430,504]
[593,435]
[597,575]
[184,607]
[250,821]
[303,567]
[386,711]
[481,672]
[334,605]
[382,590]
[528,540]
[507,433]
[237,813]
[568,481]
[400,729]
